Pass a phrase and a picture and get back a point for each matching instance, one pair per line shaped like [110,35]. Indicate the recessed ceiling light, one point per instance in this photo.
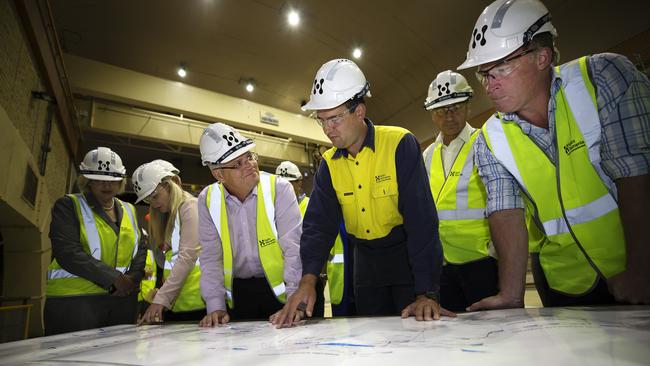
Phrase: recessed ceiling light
[182,72]
[357,53]
[250,87]
[293,17]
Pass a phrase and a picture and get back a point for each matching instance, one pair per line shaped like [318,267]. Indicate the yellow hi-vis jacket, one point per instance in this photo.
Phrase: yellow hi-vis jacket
[100,241]
[460,201]
[578,214]
[366,185]
[148,283]
[267,237]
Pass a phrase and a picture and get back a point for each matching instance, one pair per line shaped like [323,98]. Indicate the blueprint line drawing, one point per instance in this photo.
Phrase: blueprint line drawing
[545,336]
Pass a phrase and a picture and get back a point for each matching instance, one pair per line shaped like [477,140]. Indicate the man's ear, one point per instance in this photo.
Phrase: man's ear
[217,174]
[360,111]
[544,58]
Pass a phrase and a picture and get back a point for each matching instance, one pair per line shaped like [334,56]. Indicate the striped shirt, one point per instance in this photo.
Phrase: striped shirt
[623,98]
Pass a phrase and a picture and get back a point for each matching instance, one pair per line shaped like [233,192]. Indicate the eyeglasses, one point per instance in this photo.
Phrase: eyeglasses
[248,158]
[152,197]
[454,108]
[502,69]
[335,120]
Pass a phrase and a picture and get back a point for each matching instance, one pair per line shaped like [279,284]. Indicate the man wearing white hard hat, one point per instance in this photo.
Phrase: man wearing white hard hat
[249,229]
[374,180]
[470,273]
[569,145]
[98,253]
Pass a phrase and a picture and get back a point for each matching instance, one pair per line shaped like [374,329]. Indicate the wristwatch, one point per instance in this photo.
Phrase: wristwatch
[433,295]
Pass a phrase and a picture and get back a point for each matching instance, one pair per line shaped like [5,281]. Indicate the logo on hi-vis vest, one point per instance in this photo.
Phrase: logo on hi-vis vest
[454,173]
[573,145]
[381,178]
[266,242]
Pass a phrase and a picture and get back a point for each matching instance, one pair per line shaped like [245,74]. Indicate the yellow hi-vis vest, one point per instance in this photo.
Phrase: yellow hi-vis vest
[366,185]
[148,283]
[189,298]
[267,237]
[335,263]
[100,241]
[460,200]
[578,214]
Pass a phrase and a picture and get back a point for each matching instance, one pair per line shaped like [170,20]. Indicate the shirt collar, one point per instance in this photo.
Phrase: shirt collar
[464,134]
[368,141]
[229,196]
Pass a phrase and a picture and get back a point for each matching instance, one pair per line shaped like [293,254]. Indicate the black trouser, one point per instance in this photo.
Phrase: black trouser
[254,300]
[461,285]
[383,278]
[383,300]
[598,295]
[74,313]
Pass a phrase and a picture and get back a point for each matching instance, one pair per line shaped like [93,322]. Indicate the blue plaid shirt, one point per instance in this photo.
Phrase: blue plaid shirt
[623,98]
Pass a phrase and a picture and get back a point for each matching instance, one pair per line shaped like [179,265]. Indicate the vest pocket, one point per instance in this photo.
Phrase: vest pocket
[384,190]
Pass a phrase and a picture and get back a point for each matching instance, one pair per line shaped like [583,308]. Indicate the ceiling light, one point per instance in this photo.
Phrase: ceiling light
[250,87]
[182,71]
[357,53]
[293,17]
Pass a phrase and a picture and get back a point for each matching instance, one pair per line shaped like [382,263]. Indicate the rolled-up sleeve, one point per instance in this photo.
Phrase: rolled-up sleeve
[623,97]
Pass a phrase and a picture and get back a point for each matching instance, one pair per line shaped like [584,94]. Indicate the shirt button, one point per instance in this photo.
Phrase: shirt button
[368,231]
[356,162]
[363,209]
[359,186]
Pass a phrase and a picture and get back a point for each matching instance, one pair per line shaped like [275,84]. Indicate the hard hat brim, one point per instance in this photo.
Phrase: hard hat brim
[107,178]
[447,102]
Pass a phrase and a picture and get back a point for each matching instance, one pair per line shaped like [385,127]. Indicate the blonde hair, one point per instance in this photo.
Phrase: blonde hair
[161,224]
[83,184]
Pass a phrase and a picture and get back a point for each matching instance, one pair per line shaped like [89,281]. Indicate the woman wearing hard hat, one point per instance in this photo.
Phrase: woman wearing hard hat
[173,227]
[97,260]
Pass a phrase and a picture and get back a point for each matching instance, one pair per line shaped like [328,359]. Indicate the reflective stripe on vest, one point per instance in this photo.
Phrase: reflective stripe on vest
[96,241]
[270,252]
[368,183]
[579,214]
[460,201]
[189,296]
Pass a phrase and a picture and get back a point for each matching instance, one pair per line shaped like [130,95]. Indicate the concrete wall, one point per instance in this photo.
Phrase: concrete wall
[23,119]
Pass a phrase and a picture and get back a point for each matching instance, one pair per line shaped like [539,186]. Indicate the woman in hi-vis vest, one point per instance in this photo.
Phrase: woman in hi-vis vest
[97,259]
[173,227]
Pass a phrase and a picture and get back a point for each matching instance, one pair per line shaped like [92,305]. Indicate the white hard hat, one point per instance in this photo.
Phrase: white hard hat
[336,82]
[221,143]
[447,88]
[505,26]
[102,163]
[146,178]
[167,165]
[288,170]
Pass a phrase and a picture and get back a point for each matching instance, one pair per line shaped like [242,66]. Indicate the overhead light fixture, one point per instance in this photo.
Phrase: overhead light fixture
[293,18]
[248,83]
[182,71]
[357,53]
